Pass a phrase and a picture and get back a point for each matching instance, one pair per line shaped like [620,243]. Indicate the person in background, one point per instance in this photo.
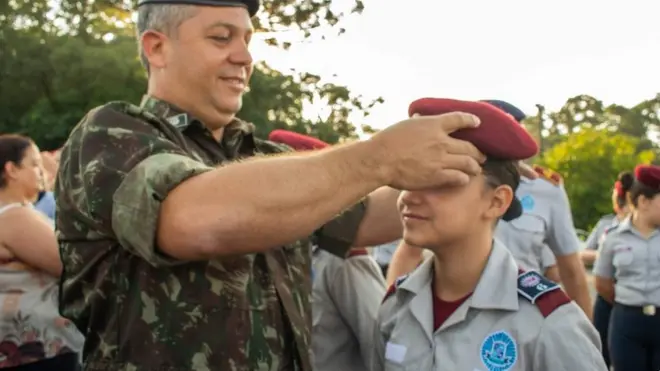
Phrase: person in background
[627,274]
[33,336]
[45,199]
[621,207]
[383,255]
[471,307]
[346,294]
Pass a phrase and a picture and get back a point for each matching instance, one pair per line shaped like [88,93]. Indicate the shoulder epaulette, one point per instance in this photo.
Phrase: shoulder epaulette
[540,291]
[392,289]
[358,251]
[549,175]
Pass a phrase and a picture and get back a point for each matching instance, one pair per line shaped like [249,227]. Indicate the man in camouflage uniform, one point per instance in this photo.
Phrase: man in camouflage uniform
[186,249]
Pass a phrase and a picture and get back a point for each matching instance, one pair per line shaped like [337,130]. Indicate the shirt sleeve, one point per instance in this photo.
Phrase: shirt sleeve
[562,237]
[357,288]
[337,236]
[604,265]
[595,235]
[568,342]
[547,258]
[124,168]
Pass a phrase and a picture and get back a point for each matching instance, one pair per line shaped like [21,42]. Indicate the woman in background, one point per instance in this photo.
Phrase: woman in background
[33,336]
[621,207]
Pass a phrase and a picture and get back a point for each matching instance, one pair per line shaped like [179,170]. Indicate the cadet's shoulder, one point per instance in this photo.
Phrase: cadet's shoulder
[545,295]
[549,175]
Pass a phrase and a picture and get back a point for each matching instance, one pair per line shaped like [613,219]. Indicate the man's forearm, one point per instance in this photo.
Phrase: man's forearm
[381,223]
[574,279]
[265,202]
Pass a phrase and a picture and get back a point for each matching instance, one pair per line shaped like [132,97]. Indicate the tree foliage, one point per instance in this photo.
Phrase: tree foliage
[57,62]
[590,160]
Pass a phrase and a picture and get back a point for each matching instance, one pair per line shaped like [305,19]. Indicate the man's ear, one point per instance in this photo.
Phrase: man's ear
[153,46]
[501,199]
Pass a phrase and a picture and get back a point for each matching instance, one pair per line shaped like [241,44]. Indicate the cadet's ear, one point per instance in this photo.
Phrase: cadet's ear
[501,199]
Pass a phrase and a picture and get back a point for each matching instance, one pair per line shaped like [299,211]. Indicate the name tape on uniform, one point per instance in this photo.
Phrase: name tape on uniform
[395,352]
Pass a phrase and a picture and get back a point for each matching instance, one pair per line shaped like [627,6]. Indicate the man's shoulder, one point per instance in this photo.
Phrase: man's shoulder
[267,147]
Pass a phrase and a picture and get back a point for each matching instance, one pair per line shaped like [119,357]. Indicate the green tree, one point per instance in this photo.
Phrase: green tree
[54,68]
[589,161]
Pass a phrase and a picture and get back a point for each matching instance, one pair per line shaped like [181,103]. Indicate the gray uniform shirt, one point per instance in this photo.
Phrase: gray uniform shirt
[546,222]
[634,262]
[383,253]
[497,328]
[346,295]
[596,235]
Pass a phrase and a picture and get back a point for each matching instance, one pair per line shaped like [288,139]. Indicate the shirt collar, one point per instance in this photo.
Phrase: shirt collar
[497,288]
[237,134]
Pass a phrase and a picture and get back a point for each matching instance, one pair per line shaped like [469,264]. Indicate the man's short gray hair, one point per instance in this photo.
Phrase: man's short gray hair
[164,18]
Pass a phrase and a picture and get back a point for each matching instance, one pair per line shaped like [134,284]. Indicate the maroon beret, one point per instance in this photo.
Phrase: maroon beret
[499,135]
[297,141]
[648,175]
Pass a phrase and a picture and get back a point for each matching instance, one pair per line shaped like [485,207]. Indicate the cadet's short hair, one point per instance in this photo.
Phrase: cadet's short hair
[165,18]
[501,172]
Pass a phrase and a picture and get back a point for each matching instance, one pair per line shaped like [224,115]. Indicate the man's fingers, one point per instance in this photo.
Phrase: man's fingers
[465,164]
[462,147]
[457,120]
[453,178]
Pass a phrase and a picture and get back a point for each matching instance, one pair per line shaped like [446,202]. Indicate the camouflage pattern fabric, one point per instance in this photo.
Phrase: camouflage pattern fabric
[142,310]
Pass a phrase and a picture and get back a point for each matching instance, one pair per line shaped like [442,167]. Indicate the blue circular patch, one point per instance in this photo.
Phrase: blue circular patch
[527,202]
[499,351]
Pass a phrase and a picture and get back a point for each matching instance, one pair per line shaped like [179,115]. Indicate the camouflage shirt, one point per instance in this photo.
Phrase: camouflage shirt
[143,310]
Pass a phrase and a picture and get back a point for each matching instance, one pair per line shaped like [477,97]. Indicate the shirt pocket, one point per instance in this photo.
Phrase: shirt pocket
[623,258]
[531,229]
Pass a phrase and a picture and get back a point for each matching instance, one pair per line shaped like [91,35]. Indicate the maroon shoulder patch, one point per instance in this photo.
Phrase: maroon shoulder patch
[552,300]
[540,291]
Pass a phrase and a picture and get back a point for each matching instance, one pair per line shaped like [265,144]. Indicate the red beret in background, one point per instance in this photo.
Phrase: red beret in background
[499,134]
[649,175]
[297,141]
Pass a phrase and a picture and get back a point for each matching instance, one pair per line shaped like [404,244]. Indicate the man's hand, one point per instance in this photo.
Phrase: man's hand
[418,153]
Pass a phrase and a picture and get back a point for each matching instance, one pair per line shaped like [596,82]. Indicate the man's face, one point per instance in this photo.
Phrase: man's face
[208,60]
[445,215]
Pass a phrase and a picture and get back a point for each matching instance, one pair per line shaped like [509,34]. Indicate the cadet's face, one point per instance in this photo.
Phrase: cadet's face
[436,217]
[651,208]
[209,57]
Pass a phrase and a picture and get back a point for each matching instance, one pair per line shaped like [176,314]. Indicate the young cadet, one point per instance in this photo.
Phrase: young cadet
[620,205]
[546,224]
[346,294]
[627,274]
[471,307]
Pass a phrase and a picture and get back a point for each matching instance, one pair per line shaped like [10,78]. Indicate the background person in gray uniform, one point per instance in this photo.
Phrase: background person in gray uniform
[621,210]
[383,255]
[620,204]
[470,307]
[346,294]
[628,274]
[546,221]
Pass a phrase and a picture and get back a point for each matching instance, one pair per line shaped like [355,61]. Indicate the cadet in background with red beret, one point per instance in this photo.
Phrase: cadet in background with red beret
[346,294]
[471,307]
[627,274]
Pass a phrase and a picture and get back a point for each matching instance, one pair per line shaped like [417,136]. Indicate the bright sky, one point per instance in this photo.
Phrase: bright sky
[523,51]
